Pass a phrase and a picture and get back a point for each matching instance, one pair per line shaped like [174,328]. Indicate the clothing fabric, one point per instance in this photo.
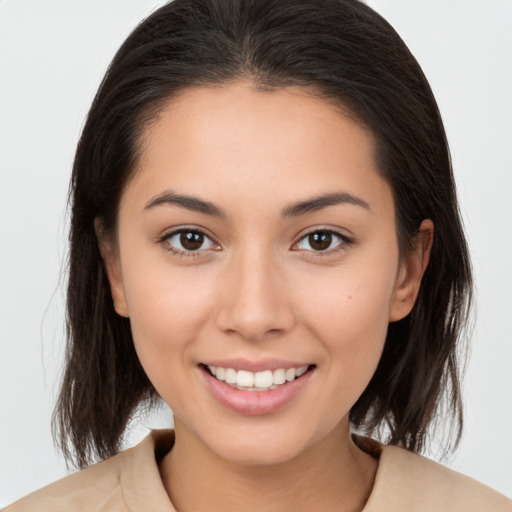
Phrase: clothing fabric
[130,482]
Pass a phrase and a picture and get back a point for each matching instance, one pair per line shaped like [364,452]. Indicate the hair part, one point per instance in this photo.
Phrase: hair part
[341,51]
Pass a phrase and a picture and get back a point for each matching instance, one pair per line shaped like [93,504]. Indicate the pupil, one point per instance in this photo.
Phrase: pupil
[191,241]
[320,240]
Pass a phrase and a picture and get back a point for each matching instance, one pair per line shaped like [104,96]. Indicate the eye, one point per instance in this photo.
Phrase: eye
[322,241]
[184,242]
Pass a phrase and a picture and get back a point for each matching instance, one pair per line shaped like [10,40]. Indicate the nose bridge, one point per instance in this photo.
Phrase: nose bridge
[254,300]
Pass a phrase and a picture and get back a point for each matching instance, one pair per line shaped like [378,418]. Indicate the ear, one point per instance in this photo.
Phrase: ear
[410,273]
[110,256]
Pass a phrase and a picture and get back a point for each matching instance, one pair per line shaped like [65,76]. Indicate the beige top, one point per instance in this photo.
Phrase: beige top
[130,482]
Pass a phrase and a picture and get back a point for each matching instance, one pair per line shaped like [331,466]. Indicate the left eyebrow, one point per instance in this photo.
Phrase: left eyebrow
[318,203]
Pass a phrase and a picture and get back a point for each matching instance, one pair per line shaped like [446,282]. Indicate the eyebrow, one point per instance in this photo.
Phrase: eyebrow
[318,203]
[190,203]
[294,210]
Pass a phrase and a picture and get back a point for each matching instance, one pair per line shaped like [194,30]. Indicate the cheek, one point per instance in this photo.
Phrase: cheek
[167,310]
[349,314]
[350,307]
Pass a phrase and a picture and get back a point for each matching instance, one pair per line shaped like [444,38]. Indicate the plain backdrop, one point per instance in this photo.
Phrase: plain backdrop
[52,57]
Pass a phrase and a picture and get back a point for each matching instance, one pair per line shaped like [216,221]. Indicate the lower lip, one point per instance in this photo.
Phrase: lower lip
[255,403]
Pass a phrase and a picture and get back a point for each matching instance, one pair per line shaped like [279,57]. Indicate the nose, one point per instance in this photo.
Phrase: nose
[254,300]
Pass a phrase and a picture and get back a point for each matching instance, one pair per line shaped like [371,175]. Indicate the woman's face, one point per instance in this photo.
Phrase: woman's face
[257,238]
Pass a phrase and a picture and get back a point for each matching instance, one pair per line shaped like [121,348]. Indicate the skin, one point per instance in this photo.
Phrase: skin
[260,290]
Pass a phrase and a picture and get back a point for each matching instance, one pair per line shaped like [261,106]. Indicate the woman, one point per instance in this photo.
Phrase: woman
[264,234]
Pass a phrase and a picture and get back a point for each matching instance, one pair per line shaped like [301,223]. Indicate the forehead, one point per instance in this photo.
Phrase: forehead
[269,120]
[238,140]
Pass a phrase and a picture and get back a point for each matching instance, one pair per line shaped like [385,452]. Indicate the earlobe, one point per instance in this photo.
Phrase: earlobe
[411,272]
[110,257]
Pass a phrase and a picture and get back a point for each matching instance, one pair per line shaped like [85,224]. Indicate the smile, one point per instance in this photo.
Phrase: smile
[264,391]
[266,380]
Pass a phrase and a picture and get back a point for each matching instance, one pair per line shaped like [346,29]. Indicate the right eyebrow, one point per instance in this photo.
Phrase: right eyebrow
[188,202]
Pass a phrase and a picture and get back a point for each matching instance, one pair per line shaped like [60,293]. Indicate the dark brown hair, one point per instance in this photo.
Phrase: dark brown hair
[339,50]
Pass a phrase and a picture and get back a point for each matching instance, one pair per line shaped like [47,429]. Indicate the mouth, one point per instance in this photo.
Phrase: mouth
[266,380]
[273,386]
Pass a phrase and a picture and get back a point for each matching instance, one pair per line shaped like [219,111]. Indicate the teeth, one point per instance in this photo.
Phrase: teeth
[230,376]
[263,379]
[244,378]
[279,377]
[256,381]
[290,374]
[301,371]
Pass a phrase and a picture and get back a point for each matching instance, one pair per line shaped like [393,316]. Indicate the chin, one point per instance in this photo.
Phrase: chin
[262,445]
[258,454]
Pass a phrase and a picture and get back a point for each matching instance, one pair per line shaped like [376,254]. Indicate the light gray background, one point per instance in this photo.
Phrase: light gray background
[52,57]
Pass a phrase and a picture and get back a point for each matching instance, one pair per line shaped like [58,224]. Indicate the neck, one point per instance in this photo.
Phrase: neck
[331,475]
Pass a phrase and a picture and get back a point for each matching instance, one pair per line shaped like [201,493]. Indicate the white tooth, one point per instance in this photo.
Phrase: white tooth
[245,379]
[300,371]
[221,372]
[212,369]
[279,377]
[230,376]
[263,379]
[290,374]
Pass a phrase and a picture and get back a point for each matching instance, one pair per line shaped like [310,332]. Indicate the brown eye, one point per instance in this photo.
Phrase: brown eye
[186,241]
[191,240]
[320,241]
[323,241]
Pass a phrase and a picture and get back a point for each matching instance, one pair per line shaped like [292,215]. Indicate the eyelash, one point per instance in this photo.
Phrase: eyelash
[164,240]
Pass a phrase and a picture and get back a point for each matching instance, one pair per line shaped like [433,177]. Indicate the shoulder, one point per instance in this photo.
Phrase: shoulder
[406,481]
[83,490]
[106,486]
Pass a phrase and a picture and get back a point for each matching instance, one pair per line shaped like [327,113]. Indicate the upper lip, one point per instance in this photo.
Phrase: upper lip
[254,366]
